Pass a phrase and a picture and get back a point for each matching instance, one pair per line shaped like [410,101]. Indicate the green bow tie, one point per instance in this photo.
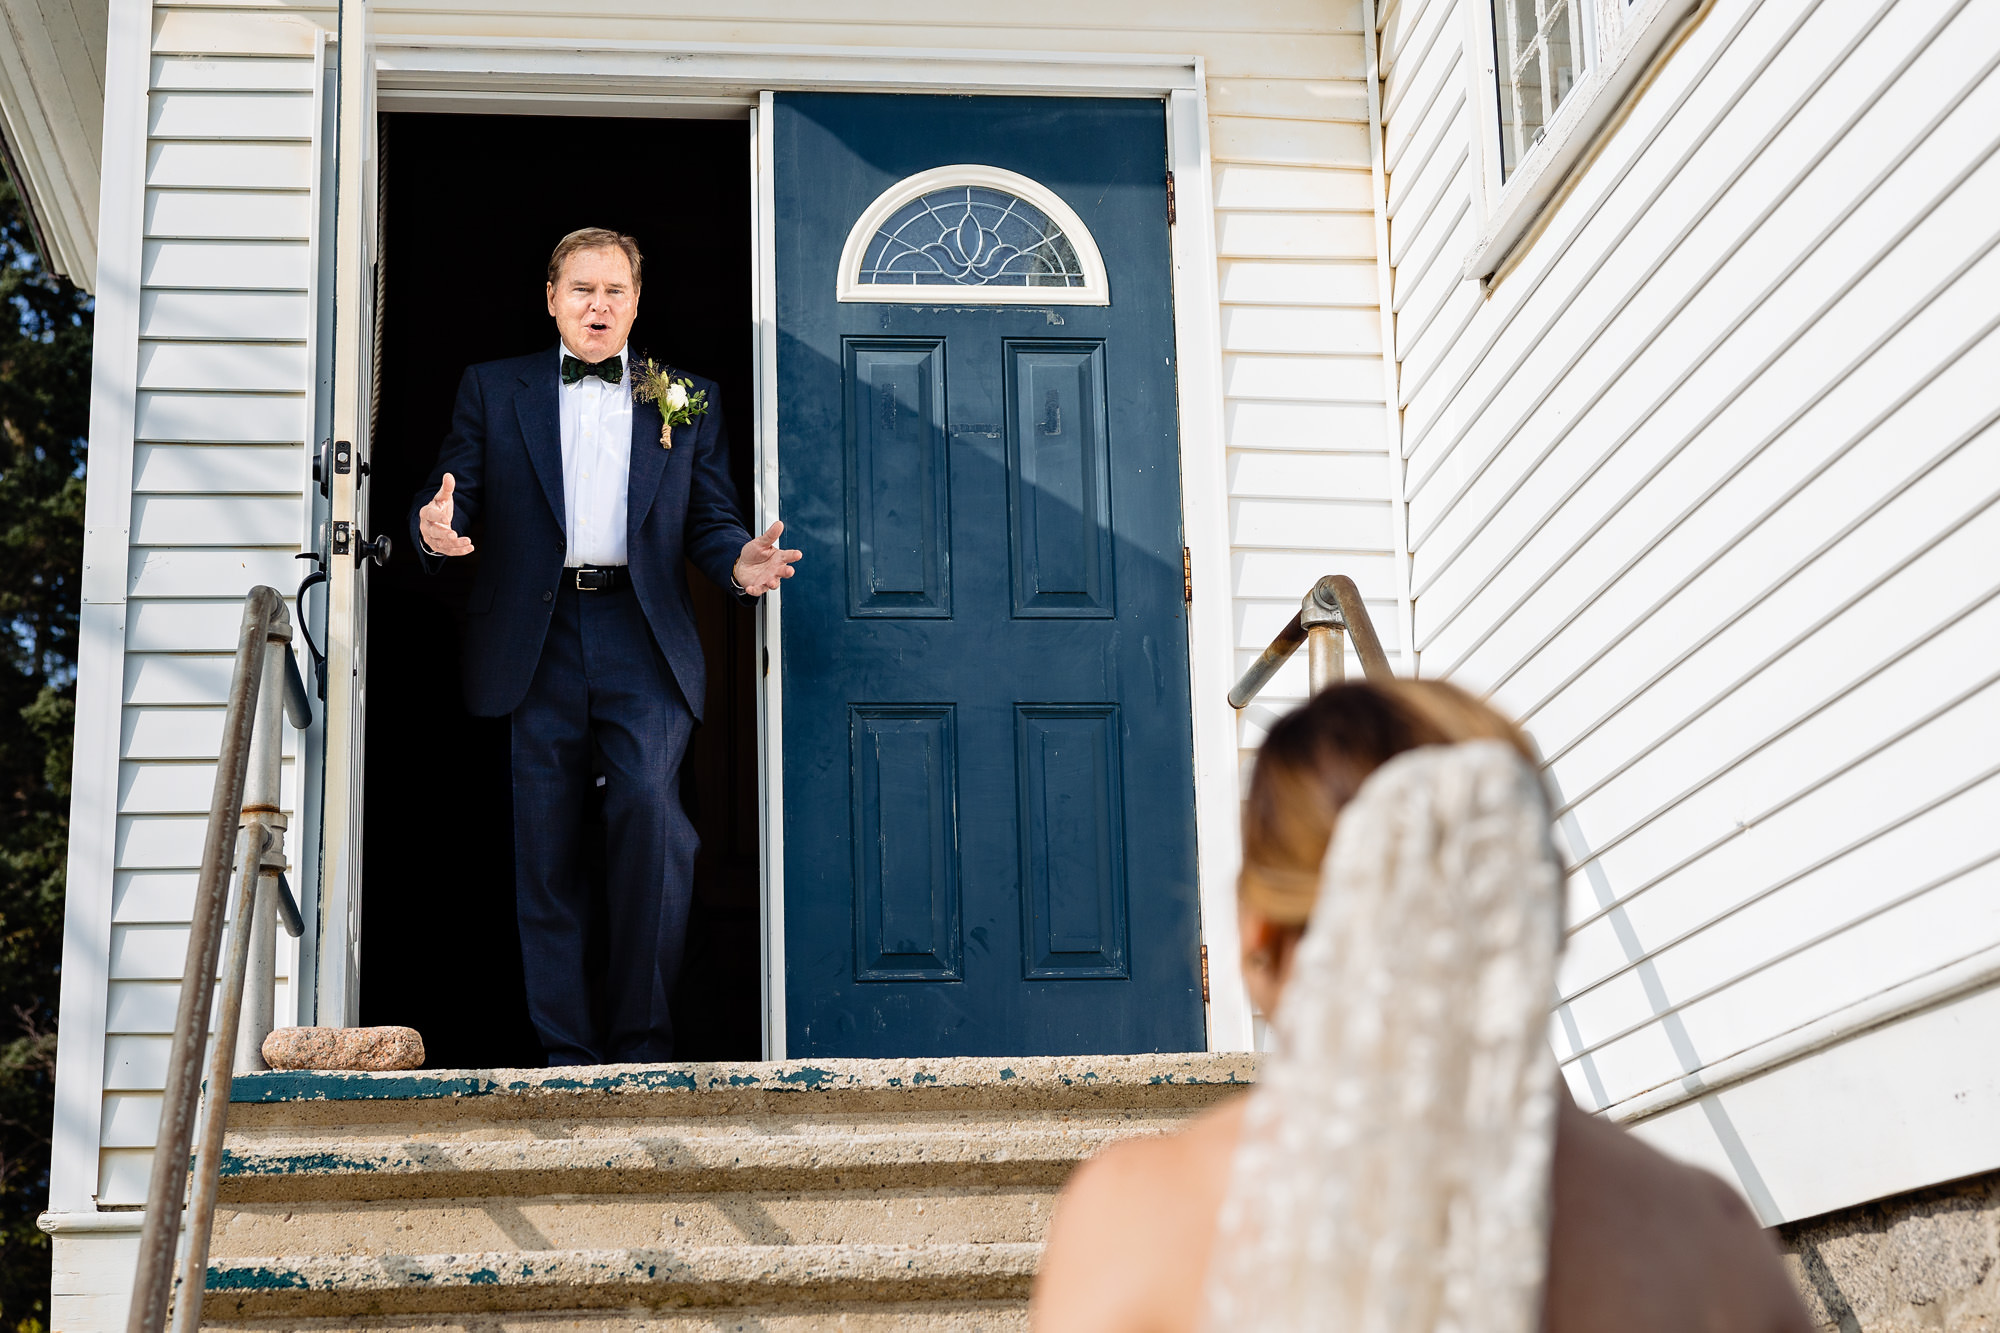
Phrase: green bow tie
[611,370]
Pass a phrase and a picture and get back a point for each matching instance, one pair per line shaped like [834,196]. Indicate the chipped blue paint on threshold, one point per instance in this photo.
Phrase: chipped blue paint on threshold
[257,1278]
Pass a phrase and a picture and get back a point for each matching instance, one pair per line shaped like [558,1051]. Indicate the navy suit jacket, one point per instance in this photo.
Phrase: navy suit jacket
[505,457]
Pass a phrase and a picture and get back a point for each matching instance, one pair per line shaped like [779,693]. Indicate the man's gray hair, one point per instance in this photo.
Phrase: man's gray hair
[594,238]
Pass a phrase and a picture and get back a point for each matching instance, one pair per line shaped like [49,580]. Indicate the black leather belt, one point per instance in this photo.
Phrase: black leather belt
[596,578]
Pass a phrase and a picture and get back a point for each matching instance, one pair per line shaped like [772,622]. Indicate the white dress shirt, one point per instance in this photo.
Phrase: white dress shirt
[597,464]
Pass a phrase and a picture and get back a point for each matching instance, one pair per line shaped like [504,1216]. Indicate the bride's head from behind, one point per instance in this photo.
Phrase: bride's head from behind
[1309,767]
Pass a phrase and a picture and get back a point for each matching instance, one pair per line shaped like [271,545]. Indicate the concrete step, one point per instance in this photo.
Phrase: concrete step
[696,1275]
[854,1194]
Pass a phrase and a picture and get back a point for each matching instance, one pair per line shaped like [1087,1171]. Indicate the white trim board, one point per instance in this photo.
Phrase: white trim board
[771,695]
[1924,1091]
[114,378]
[735,74]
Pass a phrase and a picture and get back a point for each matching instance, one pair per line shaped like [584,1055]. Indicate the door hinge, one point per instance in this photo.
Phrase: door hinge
[1187,576]
[1204,974]
[1170,198]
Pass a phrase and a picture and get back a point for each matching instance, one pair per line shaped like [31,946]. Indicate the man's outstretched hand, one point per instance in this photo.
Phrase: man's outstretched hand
[434,524]
[763,562]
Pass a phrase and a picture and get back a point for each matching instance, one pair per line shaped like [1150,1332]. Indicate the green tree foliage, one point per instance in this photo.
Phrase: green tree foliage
[44,412]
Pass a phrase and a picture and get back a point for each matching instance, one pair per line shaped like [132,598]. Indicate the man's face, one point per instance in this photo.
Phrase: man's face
[594,302]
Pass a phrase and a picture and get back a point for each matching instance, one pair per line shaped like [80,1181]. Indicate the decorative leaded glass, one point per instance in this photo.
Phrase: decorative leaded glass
[970,236]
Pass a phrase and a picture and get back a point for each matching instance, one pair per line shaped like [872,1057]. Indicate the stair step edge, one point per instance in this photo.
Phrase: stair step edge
[712,1275]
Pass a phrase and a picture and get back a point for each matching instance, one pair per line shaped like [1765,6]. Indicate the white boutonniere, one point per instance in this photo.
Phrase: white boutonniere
[679,401]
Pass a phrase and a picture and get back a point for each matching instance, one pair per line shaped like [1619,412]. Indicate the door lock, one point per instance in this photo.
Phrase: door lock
[345,540]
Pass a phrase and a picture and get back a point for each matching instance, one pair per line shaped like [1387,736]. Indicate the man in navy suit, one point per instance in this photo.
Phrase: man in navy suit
[580,631]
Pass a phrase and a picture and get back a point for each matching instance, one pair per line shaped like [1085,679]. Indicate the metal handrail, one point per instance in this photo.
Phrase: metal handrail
[1332,606]
[247,798]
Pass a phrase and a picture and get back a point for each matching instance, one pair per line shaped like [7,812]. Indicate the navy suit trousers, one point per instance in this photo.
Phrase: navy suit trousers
[603,698]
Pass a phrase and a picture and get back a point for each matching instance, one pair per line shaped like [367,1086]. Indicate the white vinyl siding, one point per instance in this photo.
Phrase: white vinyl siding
[1703,490]
[217,507]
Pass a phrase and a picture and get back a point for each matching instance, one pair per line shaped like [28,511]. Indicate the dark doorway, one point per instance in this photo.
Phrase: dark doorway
[472,207]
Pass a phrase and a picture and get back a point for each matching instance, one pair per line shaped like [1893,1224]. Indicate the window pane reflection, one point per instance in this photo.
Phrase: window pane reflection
[1539,56]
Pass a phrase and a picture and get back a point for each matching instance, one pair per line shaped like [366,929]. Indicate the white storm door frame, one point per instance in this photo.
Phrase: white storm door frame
[545,76]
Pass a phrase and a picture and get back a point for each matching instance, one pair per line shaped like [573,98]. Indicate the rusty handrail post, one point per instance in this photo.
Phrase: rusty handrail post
[1331,607]
[265,621]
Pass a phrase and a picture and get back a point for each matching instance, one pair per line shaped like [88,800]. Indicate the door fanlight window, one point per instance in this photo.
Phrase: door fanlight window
[969,235]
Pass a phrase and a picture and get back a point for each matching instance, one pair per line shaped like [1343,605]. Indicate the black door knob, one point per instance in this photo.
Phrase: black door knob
[378,550]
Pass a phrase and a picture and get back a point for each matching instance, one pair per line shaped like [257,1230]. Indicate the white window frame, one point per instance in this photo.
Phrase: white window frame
[1624,36]
[1095,289]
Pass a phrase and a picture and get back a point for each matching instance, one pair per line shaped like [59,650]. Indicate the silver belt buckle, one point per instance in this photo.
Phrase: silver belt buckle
[581,586]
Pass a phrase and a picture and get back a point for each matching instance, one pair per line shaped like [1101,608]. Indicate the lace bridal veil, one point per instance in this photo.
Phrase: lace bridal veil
[1393,1171]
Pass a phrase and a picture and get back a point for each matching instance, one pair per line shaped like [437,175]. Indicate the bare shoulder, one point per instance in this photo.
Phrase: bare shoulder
[1653,1242]
[1128,1246]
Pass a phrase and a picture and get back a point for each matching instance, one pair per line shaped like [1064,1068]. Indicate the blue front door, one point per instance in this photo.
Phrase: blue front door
[988,773]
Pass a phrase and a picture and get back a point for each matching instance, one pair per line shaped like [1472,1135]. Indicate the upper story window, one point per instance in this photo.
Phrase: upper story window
[971,234]
[1541,51]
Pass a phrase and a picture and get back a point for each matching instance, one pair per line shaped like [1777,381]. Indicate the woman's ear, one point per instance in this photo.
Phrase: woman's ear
[1266,957]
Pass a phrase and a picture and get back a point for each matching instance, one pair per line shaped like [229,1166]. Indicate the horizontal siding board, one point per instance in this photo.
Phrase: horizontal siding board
[175,733]
[1310,525]
[135,1063]
[179,571]
[1239,186]
[1252,424]
[258,367]
[1328,476]
[1295,236]
[1340,332]
[1257,623]
[232,75]
[142,1008]
[1260,282]
[1302,378]
[178,678]
[131,1120]
[250,33]
[231,214]
[206,469]
[248,265]
[1289,99]
[153,625]
[229,166]
[186,787]
[224,316]
[235,116]
[148,953]
[216,418]
[1280,574]
[216,520]
[122,1176]
[1289,142]
[153,897]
